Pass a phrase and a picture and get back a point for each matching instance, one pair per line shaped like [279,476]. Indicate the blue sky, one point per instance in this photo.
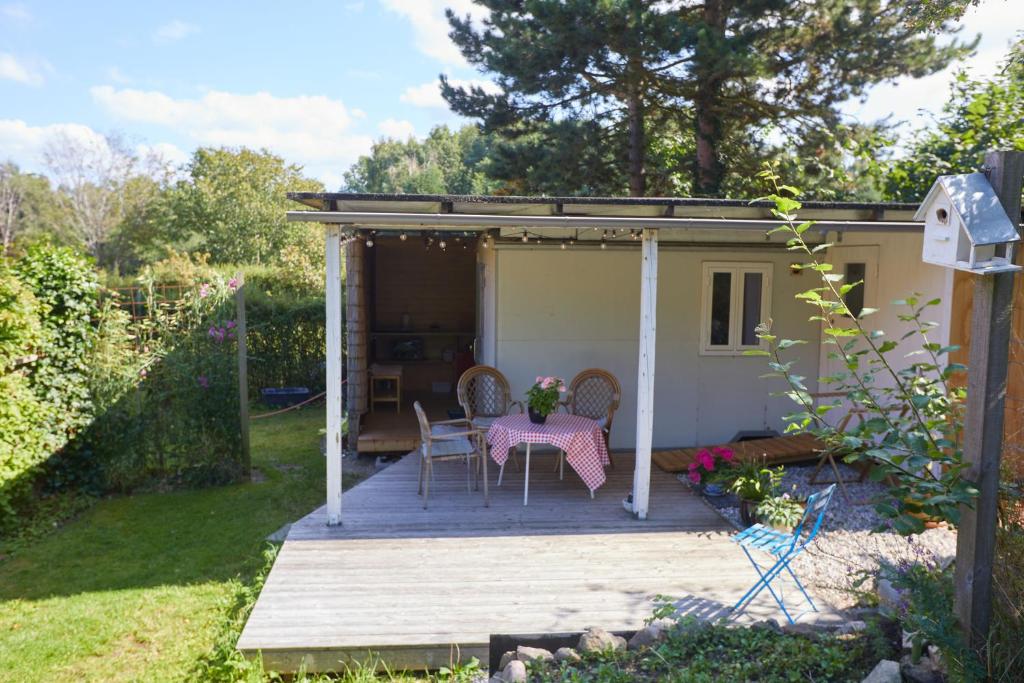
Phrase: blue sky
[316,82]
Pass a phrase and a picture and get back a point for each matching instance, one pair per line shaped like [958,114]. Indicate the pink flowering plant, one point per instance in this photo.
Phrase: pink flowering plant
[712,465]
[544,395]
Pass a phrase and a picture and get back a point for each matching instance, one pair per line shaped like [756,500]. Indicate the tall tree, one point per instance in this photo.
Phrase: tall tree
[233,203]
[720,69]
[445,162]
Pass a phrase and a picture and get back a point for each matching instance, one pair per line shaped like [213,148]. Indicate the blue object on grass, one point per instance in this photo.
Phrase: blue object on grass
[279,397]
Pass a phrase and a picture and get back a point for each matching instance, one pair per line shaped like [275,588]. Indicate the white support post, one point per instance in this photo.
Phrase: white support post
[334,388]
[645,372]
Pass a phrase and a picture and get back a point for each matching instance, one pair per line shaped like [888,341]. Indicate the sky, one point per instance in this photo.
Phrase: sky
[315,82]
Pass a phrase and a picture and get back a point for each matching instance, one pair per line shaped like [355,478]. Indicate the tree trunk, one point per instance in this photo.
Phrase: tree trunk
[707,131]
[637,179]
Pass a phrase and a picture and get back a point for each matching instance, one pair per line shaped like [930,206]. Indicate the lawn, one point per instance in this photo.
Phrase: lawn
[141,587]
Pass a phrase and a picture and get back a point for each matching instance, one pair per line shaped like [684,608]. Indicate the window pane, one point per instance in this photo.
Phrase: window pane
[855,297]
[752,283]
[721,299]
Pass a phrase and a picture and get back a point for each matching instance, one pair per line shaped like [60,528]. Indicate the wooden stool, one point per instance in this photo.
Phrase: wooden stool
[390,389]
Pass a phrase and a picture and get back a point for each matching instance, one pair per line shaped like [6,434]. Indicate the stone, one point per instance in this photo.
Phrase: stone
[646,637]
[505,659]
[889,598]
[768,625]
[599,640]
[533,654]
[514,672]
[851,627]
[567,654]
[805,629]
[496,678]
[886,671]
[920,673]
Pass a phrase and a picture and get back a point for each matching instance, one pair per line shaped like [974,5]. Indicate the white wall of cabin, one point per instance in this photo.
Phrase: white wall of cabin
[901,272]
[560,311]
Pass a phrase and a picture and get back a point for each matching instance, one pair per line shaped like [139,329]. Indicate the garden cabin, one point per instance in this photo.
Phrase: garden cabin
[664,294]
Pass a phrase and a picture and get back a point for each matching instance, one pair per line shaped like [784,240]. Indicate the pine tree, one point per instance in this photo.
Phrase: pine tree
[720,69]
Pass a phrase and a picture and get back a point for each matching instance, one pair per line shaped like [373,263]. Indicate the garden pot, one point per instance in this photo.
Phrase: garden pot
[748,512]
[537,418]
[714,490]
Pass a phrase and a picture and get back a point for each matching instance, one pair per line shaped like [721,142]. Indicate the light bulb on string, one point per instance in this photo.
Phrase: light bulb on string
[526,238]
[442,244]
[563,244]
[403,236]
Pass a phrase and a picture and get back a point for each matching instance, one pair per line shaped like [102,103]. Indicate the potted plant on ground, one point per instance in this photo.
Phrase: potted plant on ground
[712,470]
[752,483]
[543,397]
[781,512]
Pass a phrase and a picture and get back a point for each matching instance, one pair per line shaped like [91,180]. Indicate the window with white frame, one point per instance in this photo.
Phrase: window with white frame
[735,298]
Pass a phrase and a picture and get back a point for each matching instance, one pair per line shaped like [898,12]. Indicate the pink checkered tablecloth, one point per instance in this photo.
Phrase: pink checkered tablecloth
[581,438]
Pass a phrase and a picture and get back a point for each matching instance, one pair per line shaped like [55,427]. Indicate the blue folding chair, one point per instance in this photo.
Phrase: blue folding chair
[784,547]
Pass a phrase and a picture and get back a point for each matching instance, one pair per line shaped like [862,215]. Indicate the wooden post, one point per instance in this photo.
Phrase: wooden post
[645,371]
[334,388]
[983,424]
[243,375]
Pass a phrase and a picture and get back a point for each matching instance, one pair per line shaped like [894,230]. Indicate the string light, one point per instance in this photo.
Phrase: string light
[604,240]
[526,238]
[403,237]
[442,244]
[563,244]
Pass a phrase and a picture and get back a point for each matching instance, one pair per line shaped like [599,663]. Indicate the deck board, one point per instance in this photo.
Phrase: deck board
[412,584]
[776,450]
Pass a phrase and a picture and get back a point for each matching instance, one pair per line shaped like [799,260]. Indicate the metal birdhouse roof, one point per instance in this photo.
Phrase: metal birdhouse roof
[977,206]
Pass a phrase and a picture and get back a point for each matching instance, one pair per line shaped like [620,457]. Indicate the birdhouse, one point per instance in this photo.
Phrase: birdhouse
[966,227]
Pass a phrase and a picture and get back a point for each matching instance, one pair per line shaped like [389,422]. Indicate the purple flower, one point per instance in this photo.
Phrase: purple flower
[203,381]
[230,324]
[233,284]
[204,290]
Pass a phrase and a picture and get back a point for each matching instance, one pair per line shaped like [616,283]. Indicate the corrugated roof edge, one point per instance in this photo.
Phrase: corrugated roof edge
[316,200]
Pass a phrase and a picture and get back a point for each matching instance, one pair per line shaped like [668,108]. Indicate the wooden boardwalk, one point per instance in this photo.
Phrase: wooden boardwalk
[415,585]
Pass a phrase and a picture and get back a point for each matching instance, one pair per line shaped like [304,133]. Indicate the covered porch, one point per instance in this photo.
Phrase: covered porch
[421,587]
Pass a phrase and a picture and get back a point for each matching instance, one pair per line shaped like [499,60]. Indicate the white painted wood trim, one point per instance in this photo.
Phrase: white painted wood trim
[334,387]
[645,371]
[736,270]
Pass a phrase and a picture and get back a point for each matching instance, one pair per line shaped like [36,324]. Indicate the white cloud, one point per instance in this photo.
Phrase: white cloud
[24,143]
[174,31]
[394,128]
[16,11]
[430,26]
[117,76]
[311,130]
[429,94]
[14,69]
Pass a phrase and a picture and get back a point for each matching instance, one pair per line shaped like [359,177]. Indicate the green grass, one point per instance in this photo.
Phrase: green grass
[142,587]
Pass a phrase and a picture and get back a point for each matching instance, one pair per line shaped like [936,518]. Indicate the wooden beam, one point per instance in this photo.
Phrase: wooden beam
[334,386]
[645,371]
[983,424]
[243,375]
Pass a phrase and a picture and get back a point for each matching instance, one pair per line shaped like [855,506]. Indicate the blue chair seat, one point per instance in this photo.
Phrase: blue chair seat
[764,538]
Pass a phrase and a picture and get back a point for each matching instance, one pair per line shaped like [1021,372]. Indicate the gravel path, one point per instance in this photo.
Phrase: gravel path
[846,548]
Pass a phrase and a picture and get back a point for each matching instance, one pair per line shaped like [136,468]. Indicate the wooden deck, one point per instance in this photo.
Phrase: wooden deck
[414,585]
[384,430]
[776,451]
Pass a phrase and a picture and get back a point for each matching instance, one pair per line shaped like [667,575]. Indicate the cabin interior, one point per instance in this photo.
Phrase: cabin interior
[421,300]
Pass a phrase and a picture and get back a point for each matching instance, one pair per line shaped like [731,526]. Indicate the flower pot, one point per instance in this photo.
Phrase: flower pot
[537,418]
[714,490]
[748,512]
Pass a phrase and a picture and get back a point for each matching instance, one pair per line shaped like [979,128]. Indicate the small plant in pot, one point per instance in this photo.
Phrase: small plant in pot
[712,470]
[753,482]
[781,512]
[543,397]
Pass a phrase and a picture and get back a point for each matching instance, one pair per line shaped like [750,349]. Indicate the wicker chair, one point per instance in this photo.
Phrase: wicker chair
[485,395]
[451,440]
[595,393]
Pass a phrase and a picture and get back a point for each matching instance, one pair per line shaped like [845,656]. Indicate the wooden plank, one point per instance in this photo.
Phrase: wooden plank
[332,253]
[645,371]
[776,450]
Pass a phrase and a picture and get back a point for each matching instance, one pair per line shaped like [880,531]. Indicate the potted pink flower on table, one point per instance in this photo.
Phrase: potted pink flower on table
[543,397]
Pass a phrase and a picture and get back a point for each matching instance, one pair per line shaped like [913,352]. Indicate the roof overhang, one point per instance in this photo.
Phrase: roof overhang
[479,213]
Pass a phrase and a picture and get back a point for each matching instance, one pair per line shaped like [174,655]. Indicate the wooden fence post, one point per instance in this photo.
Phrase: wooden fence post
[983,424]
[243,375]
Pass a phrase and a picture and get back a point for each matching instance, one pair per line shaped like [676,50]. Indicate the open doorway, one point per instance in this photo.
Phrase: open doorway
[422,306]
